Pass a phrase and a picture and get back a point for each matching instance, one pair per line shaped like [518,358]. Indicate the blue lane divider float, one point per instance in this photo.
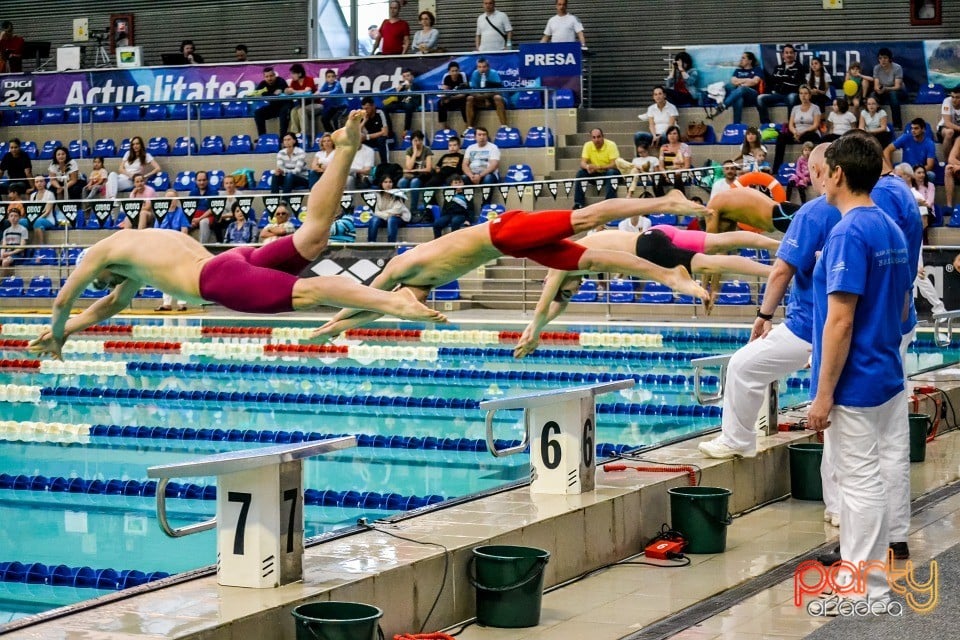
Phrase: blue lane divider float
[81,577]
[574,354]
[604,449]
[438,375]
[190,491]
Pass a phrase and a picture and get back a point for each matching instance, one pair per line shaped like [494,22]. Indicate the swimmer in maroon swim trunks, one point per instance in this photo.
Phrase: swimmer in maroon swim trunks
[541,236]
[658,245]
[248,279]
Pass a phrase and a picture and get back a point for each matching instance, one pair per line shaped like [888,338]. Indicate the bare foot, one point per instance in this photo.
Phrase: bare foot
[410,308]
[681,282]
[708,302]
[349,136]
[324,333]
[677,204]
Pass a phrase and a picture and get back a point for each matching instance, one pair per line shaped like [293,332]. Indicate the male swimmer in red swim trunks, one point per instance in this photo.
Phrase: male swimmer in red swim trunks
[248,279]
[541,236]
[665,246]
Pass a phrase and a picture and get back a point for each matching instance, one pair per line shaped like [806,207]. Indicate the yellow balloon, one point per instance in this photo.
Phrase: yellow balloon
[851,88]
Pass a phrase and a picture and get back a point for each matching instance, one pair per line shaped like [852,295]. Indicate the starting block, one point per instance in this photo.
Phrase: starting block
[767,419]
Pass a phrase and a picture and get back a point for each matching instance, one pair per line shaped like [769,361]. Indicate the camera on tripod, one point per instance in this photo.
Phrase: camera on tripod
[100,34]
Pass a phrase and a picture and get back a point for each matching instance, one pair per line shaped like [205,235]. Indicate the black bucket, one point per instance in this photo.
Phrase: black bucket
[338,621]
[700,514]
[805,480]
[920,425]
[509,583]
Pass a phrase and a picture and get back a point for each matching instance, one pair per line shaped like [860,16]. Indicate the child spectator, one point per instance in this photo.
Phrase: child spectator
[14,236]
[405,101]
[456,213]
[800,180]
[418,166]
[448,165]
[840,120]
[864,86]
[96,185]
[332,107]
[760,161]
[47,219]
[643,163]
[820,83]
[390,209]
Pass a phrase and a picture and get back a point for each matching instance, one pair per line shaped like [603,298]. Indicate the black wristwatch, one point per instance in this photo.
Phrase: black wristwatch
[765,316]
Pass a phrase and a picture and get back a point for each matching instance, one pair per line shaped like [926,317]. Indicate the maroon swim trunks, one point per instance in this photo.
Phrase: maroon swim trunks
[254,279]
[542,237]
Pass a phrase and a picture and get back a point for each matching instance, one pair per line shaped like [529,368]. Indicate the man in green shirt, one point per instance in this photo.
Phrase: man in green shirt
[598,159]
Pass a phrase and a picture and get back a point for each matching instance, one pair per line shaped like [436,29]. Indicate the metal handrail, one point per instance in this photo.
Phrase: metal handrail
[698,366]
[941,321]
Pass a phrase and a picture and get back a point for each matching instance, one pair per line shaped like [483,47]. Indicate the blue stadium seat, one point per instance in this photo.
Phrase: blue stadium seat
[28,117]
[180,111]
[104,114]
[71,257]
[622,290]
[52,116]
[564,99]
[44,256]
[468,138]
[236,109]
[735,292]
[656,293]
[931,94]
[528,100]
[440,139]
[46,151]
[30,148]
[105,147]
[241,143]
[449,291]
[184,146]
[787,171]
[539,137]
[211,145]
[586,293]
[211,110]
[508,138]
[361,217]
[160,182]
[940,212]
[216,178]
[405,143]
[156,112]
[79,149]
[149,292]
[10,292]
[667,219]
[124,147]
[733,134]
[264,183]
[158,146]
[71,115]
[268,143]
[41,281]
[94,293]
[518,173]
[489,211]
[15,282]
[954,219]
[939,170]
[710,137]
[129,113]
[185,181]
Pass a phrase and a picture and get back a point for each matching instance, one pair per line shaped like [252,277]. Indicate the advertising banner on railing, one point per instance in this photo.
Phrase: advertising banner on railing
[558,68]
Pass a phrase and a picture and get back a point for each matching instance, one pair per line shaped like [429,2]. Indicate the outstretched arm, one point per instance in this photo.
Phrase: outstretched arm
[556,294]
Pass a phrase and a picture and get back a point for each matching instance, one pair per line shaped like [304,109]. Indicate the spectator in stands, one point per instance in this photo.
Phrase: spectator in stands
[390,210]
[282,225]
[761,163]
[242,230]
[321,159]
[418,167]
[456,212]
[405,101]
[598,158]
[144,192]
[189,52]
[917,147]
[783,84]
[291,171]
[681,83]
[240,53]
[300,85]
[675,154]
[360,168]
[744,87]
[494,31]
[425,40]
[272,85]
[365,45]
[96,187]
[564,27]
[136,162]
[643,163]
[394,36]
[888,84]
[484,77]
[800,179]
[873,120]
[803,126]
[15,235]
[840,120]
[660,116]
[16,166]
[949,124]
[174,220]
[925,190]
[950,177]
[481,160]
[203,218]
[47,218]
[752,143]
[375,129]
[11,46]
[230,194]
[730,170]
[450,164]
[864,85]
[14,201]
[332,107]
[65,180]
[820,84]
[453,81]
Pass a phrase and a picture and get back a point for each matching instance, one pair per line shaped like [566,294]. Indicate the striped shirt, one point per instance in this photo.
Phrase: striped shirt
[295,163]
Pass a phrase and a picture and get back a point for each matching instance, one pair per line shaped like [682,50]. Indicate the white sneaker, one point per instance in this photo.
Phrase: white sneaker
[716,448]
[831,518]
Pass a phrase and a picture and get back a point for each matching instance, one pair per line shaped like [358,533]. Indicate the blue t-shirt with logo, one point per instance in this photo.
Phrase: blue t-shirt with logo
[866,255]
[744,74]
[894,197]
[804,238]
[915,152]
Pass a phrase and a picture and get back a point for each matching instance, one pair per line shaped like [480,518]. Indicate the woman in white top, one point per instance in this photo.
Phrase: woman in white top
[840,119]
[136,162]
[291,171]
[873,120]
[425,40]
[64,174]
[752,145]
[322,159]
[819,81]
[661,115]
[804,126]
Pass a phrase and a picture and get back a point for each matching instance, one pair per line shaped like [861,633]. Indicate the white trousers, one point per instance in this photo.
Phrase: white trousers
[117,182]
[929,292]
[750,371]
[894,466]
[862,435]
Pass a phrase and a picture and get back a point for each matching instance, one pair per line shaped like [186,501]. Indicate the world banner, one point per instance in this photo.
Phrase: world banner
[222,82]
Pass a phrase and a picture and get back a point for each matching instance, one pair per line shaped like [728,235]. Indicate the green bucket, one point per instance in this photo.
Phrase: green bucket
[509,583]
[805,482]
[338,621]
[700,514]
[920,424]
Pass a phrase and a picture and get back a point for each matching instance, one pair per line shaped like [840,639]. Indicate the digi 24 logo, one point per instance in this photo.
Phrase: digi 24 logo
[17,92]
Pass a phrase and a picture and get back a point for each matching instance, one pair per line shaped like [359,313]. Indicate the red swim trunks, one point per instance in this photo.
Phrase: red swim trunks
[541,236]
[254,279]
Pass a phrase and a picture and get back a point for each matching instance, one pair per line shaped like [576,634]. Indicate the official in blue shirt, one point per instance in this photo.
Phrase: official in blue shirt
[770,355]
[861,287]
[484,77]
[917,148]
